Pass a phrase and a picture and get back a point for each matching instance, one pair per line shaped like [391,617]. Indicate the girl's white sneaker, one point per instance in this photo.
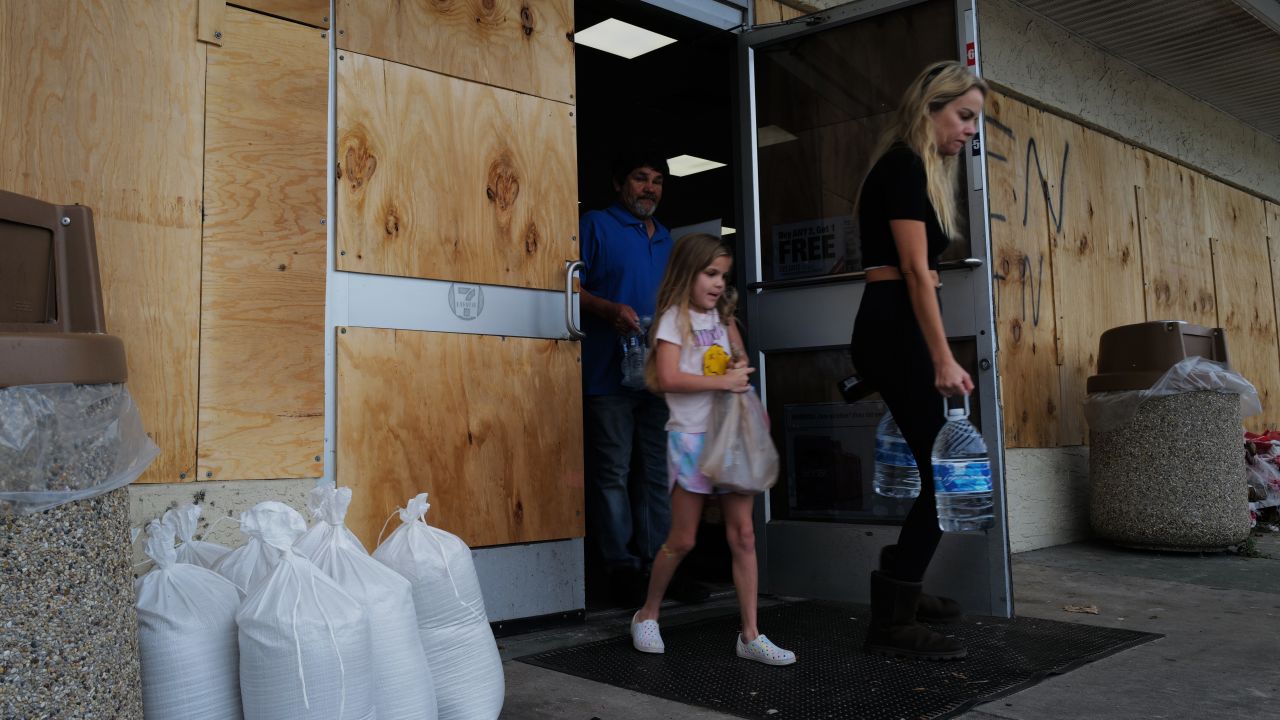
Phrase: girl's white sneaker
[763,650]
[645,636]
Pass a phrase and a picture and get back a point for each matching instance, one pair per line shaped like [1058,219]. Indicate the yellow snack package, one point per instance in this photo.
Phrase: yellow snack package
[715,361]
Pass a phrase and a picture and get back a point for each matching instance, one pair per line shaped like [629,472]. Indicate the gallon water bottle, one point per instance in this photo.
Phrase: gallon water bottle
[961,474]
[634,347]
[896,473]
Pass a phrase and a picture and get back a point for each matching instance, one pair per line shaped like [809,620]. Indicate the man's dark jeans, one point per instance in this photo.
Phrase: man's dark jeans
[628,505]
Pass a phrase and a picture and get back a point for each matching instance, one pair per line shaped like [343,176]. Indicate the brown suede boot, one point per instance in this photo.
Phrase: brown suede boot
[894,631]
[931,608]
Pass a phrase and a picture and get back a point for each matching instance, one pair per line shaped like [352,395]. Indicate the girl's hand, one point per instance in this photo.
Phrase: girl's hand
[737,379]
[950,379]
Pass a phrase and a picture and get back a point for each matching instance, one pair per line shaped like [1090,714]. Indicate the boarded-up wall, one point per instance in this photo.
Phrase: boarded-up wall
[263,281]
[103,106]
[497,448]
[1088,234]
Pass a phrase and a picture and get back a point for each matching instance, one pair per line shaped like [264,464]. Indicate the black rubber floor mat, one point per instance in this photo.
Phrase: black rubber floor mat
[832,677]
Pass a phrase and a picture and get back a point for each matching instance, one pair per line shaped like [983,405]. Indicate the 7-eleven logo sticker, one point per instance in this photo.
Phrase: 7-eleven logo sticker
[971,55]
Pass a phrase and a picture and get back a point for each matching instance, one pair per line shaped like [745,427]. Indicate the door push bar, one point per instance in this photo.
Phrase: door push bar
[570,267]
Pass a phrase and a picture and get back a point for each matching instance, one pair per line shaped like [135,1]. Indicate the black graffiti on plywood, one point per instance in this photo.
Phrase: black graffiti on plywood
[1030,278]
[1057,216]
[1056,212]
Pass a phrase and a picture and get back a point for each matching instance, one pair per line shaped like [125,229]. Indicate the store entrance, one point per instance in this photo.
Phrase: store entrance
[680,100]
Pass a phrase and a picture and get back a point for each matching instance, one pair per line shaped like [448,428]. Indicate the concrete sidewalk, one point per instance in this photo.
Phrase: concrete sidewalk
[1220,615]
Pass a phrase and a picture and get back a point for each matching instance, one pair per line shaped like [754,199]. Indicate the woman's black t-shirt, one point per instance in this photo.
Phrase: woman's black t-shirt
[896,189]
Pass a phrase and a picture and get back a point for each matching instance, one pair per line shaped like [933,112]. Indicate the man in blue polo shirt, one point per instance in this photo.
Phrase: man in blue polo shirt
[624,250]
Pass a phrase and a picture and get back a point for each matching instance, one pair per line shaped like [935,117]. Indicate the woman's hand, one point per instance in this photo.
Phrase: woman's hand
[950,379]
[737,379]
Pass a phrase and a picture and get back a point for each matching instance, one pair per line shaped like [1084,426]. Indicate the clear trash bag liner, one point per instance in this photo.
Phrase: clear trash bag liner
[1109,410]
[63,442]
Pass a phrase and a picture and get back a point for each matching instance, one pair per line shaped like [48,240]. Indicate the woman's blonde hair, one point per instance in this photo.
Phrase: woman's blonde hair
[937,85]
[691,255]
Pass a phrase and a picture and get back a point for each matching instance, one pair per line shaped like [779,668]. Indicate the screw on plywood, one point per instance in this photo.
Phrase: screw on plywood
[209,474]
[66,221]
[326,19]
[217,35]
[317,458]
[322,221]
[182,476]
[343,331]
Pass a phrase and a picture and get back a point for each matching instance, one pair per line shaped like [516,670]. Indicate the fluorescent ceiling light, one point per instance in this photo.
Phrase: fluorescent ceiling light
[726,231]
[619,38]
[682,165]
[772,135]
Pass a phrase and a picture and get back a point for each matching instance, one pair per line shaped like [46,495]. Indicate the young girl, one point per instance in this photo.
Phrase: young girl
[693,349]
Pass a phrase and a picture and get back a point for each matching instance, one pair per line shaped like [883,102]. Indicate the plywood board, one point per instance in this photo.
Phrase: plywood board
[263,283]
[1022,270]
[308,12]
[521,45]
[1097,258]
[772,11]
[498,449]
[1176,261]
[1237,226]
[103,108]
[448,179]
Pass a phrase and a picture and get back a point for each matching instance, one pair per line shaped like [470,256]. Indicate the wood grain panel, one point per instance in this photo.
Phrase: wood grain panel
[522,45]
[263,283]
[103,107]
[1237,226]
[447,179]
[772,11]
[1176,261]
[1097,260]
[1021,213]
[459,417]
[309,12]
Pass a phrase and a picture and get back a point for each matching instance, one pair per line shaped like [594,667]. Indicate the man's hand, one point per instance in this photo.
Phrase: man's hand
[624,319]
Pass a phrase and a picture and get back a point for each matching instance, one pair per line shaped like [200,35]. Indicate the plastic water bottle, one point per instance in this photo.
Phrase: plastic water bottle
[634,348]
[896,473]
[961,474]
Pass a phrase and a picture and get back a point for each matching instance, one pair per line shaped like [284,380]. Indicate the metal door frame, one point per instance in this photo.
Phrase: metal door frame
[970,311]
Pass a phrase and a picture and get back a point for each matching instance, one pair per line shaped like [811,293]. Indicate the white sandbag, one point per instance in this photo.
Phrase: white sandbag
[455,632]
[328,507]
[304,642]
[184,520]
[249,564]
[186,637]
[405,690]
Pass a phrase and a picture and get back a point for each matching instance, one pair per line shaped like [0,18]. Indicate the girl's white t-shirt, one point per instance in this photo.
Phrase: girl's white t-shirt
[689,411]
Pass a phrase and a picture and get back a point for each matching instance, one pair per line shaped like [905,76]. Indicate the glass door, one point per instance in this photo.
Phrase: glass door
[816,93]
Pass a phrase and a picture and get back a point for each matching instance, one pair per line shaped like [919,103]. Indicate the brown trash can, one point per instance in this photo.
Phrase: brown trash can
[70,647]
[1173,477]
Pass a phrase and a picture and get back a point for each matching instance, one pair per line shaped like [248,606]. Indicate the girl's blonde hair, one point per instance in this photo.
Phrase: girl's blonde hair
[937,85]
[691,255]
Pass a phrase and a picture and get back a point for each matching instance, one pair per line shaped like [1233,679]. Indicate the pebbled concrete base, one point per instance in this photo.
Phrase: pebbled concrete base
[68,630]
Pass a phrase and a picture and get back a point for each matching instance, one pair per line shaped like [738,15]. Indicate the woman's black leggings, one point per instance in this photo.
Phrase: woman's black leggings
[890,353]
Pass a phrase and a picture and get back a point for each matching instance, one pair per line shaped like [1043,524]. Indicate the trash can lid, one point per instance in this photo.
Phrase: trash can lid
[1134,357]
[40,358]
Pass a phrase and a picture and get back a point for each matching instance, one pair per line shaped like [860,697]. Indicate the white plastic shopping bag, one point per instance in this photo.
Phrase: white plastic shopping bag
[451,620]
[186,637]
[247,565]
[305,651]
[184,520]
[405,690]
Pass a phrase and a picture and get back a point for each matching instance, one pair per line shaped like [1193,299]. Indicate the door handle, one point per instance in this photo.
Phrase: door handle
[570,267]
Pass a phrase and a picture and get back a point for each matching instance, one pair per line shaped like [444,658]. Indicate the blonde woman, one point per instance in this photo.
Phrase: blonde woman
[907,209]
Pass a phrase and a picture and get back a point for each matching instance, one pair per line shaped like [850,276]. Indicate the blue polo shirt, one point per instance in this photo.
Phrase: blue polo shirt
[622,264]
